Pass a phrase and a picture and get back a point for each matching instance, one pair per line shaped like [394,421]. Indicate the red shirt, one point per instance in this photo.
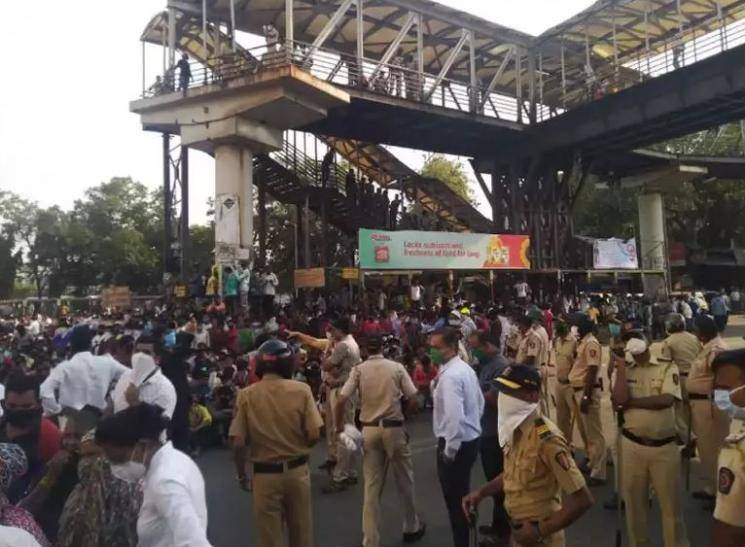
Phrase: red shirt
[548,322]
[370,327]
[50,440]
[422,378]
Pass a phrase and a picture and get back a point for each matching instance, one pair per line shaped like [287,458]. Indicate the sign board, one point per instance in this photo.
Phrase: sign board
[116,297]
[414,250]
[312,278]
[181,291]
[615,254]
[350,274]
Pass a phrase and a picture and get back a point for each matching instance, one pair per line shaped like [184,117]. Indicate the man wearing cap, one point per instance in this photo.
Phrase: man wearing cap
[530,351]
[381,385]
[681,347]
[710,425]
[344,356]
[729,396]
[646,391]
[584,379]
[538,466]
[565,349]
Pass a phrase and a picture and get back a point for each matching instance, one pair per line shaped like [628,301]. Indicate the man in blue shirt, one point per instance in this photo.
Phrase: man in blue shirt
[456,421]
[720,310]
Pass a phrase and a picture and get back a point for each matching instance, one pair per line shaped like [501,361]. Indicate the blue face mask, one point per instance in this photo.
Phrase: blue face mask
[723,400]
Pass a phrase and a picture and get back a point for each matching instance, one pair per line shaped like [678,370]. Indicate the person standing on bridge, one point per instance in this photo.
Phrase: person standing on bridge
[393,212]
[277,418]
[184,74]
[382,385]
[350,188]
[326,164]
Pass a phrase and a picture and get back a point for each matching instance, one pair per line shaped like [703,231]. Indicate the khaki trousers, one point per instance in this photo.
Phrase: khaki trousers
[711,427]
[386,448]
[596,452]
[283,496]
[564,409]
[344,468]
[659,467]
[554,540]
[683,415]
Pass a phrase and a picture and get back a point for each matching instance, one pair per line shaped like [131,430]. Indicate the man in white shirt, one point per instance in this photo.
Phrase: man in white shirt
[456,421]
[522,289]
[144,383]
[83,380]
[269,283]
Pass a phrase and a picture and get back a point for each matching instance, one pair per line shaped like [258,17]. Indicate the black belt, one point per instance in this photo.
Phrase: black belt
[655,443]
[384,423]
[563,382]
[684,374]
[280,467]
[698,397]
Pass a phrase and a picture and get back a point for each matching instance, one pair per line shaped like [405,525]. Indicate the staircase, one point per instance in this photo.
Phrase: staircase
[290,176]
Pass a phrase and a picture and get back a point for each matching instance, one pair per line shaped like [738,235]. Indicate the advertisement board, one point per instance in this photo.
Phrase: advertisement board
[311,278]
[415,250]
[615,254]
[116,297]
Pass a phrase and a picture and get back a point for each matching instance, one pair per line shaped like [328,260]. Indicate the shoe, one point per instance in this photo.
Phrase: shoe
[334,487]
[327,465]
[416,536]
[703,496]
[594,481]
[351,481]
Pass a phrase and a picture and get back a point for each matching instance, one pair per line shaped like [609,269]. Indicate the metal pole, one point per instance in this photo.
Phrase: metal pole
[143,68]
[722,29]
[232,23]
[420,56]
[563,76]
[519,83]
[185,234]
[171,37]
[289,25]
[164,50]
[540,82]
[204,28]
[306,229]
[360,22]
[166,202]
[646,33]
[615,46]
[473,96]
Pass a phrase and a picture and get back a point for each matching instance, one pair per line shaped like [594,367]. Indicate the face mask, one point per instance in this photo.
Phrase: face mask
[436,356]
[511,413]
[723,400]
[22,418]
[129,471]
[479,355]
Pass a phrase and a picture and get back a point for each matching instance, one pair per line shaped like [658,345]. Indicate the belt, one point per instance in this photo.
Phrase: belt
[684,374]
[384,423]
[596,386]
[563,382]
[656,443]
[698,397]
[280,467]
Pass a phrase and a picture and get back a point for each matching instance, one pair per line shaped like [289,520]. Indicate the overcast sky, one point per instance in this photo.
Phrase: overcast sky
[71,68]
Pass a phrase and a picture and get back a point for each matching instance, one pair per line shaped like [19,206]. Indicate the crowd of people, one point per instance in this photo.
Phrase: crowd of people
[104,414]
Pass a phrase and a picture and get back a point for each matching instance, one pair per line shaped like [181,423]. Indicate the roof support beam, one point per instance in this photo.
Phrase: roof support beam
[289,24]
[448,63]
[498,75]
[395,44]
[331,25]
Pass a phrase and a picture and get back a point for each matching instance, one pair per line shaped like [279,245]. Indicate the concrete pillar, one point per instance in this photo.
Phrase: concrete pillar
[652,240]
[233,202]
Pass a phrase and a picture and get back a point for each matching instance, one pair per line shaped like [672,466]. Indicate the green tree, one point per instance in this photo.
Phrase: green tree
[605,212]
[451,172]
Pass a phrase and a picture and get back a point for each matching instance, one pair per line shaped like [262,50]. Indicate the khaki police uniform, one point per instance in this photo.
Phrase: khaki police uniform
[344,356]
[650,455]
[276,417]
[565,350]
[513,340]
[381,384]
[538,468]
[731,487]
[682,348]
[589,354]
[710,425]
[531,345]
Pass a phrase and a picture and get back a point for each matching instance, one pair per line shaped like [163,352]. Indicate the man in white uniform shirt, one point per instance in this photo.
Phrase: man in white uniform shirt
[456,421]
[82,381]
[144,383]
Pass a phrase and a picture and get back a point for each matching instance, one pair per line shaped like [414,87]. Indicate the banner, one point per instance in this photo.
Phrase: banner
[116,297]
[412,250]
[313,278]
[615,254]
[350,274]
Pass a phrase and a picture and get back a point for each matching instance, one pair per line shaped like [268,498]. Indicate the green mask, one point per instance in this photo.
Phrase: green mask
[436,356]
[480,355]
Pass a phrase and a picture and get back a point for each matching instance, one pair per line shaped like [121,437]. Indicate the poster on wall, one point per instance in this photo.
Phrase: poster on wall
[615,254]
[415,250]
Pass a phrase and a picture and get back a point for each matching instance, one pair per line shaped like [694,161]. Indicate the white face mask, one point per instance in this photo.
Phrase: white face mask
[511,413]
[129,471]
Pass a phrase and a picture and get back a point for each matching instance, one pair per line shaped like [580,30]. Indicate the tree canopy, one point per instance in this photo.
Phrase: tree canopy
[451,172]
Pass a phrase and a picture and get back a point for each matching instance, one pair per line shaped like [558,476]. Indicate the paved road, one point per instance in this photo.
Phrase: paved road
[338,517]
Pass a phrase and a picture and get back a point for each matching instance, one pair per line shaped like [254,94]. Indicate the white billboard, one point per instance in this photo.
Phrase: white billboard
[615,254]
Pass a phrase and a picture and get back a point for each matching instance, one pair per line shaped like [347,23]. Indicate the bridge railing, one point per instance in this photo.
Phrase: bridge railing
[389,79]
[660,57]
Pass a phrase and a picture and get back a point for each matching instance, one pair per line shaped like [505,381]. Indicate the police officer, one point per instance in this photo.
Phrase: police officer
[565,349]
[710,425]
[646,392]
[530,350]
[682,348]
[381,385]
[584,379]
[538,466]
[278,420]
[729,396]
